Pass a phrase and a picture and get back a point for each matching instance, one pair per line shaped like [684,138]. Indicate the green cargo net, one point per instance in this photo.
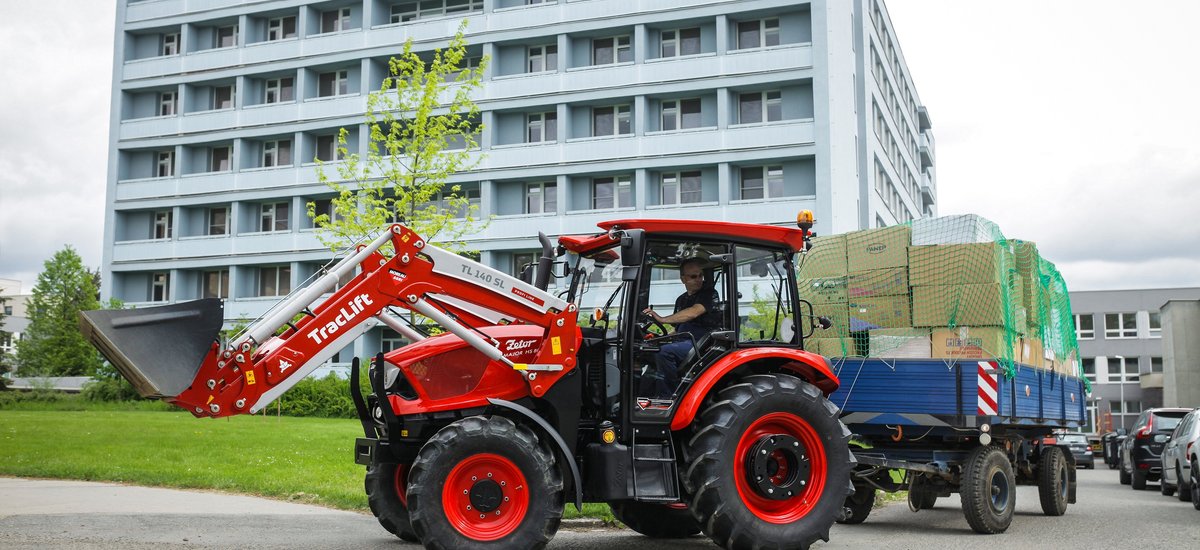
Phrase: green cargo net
[951,288]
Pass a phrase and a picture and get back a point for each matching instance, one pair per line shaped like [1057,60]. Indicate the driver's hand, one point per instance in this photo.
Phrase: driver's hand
[652,314]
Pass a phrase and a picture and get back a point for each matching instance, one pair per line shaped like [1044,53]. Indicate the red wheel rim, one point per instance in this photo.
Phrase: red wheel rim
[485,523]
[400,481]
[799,505]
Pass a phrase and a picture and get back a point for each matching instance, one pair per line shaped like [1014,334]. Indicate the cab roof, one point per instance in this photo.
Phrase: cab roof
[773,236]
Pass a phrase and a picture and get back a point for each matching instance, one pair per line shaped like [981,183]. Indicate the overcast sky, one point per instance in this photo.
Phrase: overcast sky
[1073,124]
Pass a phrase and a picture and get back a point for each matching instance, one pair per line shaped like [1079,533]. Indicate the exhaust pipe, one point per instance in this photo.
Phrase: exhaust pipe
[158,349]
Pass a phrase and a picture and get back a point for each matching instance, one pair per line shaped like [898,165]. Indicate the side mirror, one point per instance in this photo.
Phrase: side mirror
[633,247]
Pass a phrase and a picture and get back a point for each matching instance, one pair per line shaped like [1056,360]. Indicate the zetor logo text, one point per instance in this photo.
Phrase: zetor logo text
[357,305]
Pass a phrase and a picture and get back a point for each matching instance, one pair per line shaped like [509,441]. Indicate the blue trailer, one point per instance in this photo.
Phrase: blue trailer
[968,426]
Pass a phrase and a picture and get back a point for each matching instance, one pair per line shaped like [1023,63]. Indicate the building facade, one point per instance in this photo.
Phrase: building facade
[1124,354]
[735,110]
[15,319]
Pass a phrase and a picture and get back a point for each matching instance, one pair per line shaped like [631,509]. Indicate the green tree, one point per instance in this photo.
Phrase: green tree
[422,125]
[52,344]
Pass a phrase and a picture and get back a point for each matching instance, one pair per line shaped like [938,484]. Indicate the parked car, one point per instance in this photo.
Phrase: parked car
[1179,455]
[1141,452]
[1112,448]
[1080,449]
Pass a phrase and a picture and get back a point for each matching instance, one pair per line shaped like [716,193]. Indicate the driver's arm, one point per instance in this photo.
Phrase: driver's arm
[681,316]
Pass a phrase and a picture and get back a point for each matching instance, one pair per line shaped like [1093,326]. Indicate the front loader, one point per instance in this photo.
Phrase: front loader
[531,399]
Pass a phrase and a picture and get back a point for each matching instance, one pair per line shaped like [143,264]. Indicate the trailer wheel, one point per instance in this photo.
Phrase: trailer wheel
[483,482]
[921,499]
[656,520]
[988,492]
[385,484]
[1053,481]
[770,464]
[858,505]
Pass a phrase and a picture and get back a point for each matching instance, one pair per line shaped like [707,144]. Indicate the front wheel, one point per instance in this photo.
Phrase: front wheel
[655,520]
[1138,479]
[1194,485]
[385,484]
[485,482]
[1053,482]
[858,505]
[1123,475]
[1182,485]
[769,465]
[988,491]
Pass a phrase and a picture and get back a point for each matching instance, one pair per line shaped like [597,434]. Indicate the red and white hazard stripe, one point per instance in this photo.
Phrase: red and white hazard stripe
[989,387]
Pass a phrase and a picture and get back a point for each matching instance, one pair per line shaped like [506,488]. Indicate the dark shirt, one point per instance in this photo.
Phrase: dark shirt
[705,323]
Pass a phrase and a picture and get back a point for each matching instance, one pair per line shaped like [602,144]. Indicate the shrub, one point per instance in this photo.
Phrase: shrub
[109,389]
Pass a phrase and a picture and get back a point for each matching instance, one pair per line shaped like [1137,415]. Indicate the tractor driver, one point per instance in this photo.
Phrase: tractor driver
[694,314]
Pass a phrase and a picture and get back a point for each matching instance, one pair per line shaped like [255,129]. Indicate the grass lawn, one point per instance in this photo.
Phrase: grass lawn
[307,460]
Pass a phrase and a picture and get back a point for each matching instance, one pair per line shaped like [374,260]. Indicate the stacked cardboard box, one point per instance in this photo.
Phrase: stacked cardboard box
[822,281]
[877,280]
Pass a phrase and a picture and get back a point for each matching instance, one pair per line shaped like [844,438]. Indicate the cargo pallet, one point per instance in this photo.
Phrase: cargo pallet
[966,426]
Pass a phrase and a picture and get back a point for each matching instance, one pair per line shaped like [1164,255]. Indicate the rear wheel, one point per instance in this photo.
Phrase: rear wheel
[1166,488]
[484,482]
[386,494]
[1052,482]
[1194,485]
[1137,479]
[770,464]
[1125,479]
[659,521]
[1182,485]
[858,505]
[988,491]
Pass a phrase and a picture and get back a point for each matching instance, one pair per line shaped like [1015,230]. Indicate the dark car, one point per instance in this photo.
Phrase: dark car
[1141,452]
[1080,449]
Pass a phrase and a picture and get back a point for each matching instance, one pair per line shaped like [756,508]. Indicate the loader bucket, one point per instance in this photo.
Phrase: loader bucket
[158,349]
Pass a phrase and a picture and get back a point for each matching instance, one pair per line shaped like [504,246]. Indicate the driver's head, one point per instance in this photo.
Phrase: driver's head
[691,274]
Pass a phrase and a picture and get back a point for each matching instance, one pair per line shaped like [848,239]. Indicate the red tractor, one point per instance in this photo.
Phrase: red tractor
[531,399]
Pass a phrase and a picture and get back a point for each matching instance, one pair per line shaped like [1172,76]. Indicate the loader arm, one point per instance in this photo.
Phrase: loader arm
[278,350]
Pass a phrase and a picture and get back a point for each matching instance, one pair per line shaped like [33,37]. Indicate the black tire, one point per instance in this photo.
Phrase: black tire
[1053,479]
[385,484]
[921,498]
[858,505]
[1138,480]
[1166,488]
[987,471]
[457,458]
[764,416]
[655,520]
[1194,485]
[1124,476]
[1182,485]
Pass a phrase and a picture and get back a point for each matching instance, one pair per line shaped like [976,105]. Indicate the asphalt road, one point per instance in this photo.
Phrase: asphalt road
[71,514]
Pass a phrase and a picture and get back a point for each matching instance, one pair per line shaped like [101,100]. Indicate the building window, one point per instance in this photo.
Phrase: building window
[541,198]
[612,49]
[681,187]
[1129,369]
[760,107]
[761,182]
[279,90]
[677,42]
[1156,364]
[411,11]
[226,37]
[159,286]
[166,164]
[333,84]
[1120,325]
[521,260]
[273,217]
[162,224]
[325,207]
[218,221]
[1155,322]
[1088,364]
[1084,326]
[543,58]
[167,103]
[219,159]
[680,114]
[170,44]
[274,281]
[223,97]
[280,28]
[612,192]
[327,148]
[541,127]
[277,153]
[758,34]
[335,20]
[216,284]
[613,120]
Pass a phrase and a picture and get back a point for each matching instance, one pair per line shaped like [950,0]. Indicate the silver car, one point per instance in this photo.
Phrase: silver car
[1179,459]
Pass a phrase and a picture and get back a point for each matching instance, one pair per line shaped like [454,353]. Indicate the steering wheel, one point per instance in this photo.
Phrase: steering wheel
[645,321]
